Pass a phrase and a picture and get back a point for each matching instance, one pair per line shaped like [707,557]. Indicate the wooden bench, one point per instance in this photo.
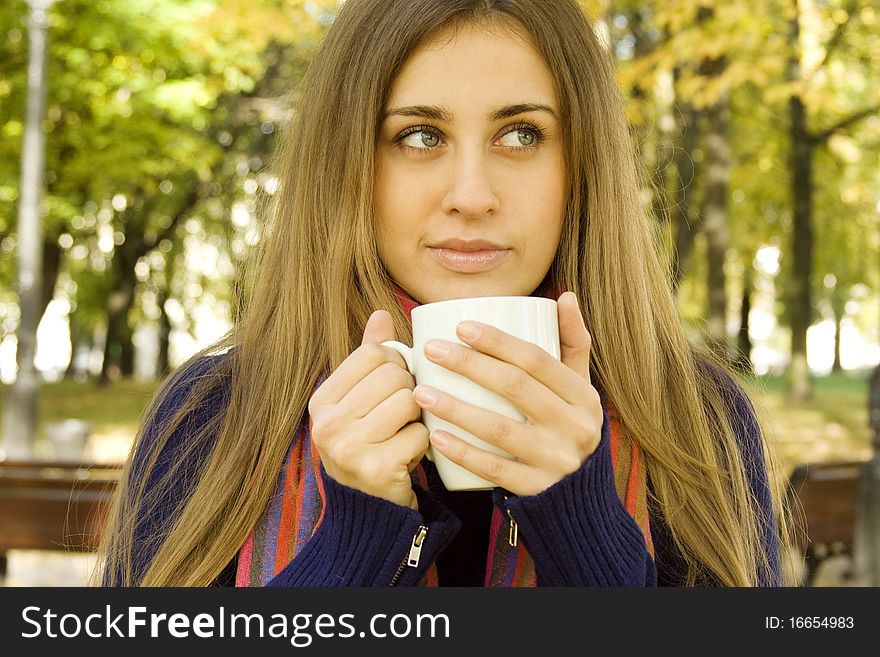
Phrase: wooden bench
[828,494]
[53,505]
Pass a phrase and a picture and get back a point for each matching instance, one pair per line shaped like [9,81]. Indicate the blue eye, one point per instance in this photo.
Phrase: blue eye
[419,137]
[521,137]
[424,138]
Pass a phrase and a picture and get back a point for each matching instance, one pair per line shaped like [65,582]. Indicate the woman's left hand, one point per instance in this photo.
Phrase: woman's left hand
[563,412]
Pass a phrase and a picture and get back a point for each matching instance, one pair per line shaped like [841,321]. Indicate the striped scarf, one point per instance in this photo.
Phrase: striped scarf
[296,508]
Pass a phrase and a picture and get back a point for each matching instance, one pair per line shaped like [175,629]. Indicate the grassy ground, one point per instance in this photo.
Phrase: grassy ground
[112,413]
[832,426]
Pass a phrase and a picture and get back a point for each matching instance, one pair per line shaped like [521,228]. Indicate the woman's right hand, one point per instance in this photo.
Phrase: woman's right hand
[365,423]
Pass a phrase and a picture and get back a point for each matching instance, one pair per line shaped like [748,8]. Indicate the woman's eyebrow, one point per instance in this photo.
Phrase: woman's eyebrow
[437,113]
[509,111]
[432,112]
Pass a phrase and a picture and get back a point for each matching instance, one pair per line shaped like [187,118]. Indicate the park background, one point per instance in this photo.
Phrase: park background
[758,122]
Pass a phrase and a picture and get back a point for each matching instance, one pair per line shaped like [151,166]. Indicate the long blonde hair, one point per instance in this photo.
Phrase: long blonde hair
[317,276]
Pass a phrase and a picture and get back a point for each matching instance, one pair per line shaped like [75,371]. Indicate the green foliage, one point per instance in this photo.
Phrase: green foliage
[162,117]
[664,52]
[159,113]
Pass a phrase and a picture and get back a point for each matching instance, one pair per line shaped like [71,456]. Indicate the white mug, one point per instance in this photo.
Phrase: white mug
[532,319]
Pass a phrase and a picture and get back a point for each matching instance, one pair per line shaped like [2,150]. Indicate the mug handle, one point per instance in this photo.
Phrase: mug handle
[404,351]
[407,353]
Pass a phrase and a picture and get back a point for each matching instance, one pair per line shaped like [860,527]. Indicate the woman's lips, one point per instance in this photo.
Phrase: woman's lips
[468,262]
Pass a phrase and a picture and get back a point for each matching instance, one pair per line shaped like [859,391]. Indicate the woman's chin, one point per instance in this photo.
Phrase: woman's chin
[471,292]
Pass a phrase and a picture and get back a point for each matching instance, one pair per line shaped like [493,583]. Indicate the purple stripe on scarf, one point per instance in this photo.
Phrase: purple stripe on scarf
[311,502]
[267,547]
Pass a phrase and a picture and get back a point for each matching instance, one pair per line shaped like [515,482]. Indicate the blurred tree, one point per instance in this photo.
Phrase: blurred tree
[847,228]
[162,114]
[744,51]
[715,202]
[163,117]
[13,83]
[835,26]
[693,62]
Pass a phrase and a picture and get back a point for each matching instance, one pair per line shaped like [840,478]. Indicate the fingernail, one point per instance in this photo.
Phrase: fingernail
[438,439]
[425,395]
[468,330]
[435,349]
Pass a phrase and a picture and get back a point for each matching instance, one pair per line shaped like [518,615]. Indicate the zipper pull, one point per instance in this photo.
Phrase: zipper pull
[415,551]
[514,528]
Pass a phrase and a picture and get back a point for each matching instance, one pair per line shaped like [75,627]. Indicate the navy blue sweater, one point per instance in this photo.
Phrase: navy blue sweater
[577,531]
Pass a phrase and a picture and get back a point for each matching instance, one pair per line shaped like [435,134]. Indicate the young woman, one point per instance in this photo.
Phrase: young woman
[444,149]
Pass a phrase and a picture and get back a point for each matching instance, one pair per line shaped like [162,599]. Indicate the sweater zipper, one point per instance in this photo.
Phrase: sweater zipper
[415,553]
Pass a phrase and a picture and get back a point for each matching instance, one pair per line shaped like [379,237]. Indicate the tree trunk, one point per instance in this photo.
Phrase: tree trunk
[799,294]
[51,266]
[119,333]
[718,155]
[687,227]
[118,348]
[836,366]
[652,140]
[685,230]
[743,358]
[162,360]
[75,339]
[799,299]
[838,309]
[126,357]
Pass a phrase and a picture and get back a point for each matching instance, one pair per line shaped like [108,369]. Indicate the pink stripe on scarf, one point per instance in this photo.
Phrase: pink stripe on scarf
[245,555]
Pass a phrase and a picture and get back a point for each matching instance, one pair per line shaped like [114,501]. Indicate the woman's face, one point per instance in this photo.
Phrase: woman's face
[470,187]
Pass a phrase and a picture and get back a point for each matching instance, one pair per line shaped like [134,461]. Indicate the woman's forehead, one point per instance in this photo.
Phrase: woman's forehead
[473,61]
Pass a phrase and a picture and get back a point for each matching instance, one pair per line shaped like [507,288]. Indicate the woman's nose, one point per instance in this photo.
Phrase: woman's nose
[471,192]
